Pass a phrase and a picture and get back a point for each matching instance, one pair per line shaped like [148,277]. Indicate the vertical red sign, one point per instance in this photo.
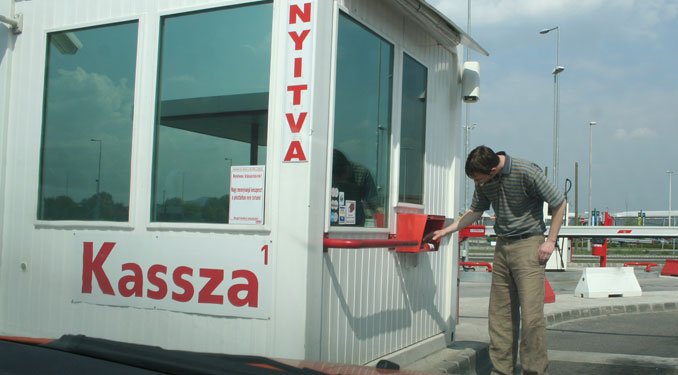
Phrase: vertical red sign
[297,96]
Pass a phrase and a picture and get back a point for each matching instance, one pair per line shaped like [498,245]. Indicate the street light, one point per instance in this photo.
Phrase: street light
[556,101]
[467,129]
[228,171]
[98,204]
[591,124]
[670,173]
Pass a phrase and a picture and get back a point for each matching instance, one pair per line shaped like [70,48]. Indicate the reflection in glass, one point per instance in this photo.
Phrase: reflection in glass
[87,124]
[412,132]
[362,127]
[212,109]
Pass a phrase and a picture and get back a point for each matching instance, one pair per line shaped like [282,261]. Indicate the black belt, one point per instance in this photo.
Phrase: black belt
[519,236]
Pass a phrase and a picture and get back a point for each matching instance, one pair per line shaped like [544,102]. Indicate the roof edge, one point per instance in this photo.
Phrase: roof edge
[442,24]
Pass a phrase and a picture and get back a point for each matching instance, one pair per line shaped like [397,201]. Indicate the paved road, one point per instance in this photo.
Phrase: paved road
[634,344]
[643,342]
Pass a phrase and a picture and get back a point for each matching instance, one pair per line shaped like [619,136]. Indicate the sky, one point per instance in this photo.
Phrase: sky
[620,59]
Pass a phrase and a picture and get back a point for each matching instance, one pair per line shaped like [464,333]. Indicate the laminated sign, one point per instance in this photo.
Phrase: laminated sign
[247,195]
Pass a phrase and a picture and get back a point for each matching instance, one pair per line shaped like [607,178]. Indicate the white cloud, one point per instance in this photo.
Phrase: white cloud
[644,14]
[490,12]
[635,134]
[78,92]
[620,72]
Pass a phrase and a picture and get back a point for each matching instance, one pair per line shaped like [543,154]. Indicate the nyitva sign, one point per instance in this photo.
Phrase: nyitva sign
[298,76]
[194,278]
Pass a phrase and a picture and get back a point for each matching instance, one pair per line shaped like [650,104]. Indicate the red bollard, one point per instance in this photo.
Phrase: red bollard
[549,295]
[600,250]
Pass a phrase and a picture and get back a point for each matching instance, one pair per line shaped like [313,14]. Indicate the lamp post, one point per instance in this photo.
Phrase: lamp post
[228,172]
[467,135]
[591,124]
[670,173]
[97,207]
[556,101]
[99,167]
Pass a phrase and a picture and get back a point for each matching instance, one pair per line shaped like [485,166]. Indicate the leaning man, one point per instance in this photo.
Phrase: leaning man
[516,189]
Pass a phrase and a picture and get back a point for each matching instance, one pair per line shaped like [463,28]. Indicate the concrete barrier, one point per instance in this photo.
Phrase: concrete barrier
[604,282]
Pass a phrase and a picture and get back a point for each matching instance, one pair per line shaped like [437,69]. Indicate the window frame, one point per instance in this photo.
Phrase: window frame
[399,52]
[129,224]
[424,183]
[144,112]
[395,126]
[275,83]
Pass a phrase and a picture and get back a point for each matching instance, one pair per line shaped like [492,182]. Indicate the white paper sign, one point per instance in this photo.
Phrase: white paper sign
[247,195]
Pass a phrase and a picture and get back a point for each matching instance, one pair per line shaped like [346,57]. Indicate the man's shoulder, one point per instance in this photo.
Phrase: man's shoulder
[524,166]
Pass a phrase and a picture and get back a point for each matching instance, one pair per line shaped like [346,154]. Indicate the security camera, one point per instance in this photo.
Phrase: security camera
[471,98]
[470,82]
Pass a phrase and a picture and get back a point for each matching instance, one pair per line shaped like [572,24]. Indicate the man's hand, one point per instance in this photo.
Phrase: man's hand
[545,251]
[439,234]
[466,219]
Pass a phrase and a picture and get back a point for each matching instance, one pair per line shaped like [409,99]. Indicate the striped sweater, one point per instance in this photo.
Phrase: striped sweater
[517,196]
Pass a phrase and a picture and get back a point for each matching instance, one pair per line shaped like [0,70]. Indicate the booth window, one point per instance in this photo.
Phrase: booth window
[362,127]
[87,124]
[212,108]
[412,132]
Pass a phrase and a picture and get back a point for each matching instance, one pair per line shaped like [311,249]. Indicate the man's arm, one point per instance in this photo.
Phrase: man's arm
[468,218]
[547,247]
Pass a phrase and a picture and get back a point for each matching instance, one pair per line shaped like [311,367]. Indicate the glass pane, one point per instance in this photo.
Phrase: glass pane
[87,124]
[362,127]
[212,110]
[412,132]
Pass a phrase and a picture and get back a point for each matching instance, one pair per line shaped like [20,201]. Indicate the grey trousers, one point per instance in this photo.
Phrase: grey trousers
[516,311]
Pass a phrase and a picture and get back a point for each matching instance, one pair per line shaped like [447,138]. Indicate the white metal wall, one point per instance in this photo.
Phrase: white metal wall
[356,305]
[376,302]
[41,262]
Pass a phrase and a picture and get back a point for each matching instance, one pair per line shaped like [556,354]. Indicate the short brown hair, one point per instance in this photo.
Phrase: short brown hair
[481,160]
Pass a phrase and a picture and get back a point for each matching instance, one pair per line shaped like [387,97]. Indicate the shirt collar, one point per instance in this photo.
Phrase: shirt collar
[507,163]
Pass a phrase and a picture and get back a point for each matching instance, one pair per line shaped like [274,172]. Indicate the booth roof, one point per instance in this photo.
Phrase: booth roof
[440,25]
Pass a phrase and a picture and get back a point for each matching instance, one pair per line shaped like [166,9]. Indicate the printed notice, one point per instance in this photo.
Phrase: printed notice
[247,195]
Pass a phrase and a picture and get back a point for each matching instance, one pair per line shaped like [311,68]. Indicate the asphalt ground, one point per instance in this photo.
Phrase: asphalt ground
[614,335]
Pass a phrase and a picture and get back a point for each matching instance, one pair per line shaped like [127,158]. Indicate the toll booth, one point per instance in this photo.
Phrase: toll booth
[174,173]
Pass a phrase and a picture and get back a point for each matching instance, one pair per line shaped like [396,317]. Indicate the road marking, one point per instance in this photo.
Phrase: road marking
[613,359]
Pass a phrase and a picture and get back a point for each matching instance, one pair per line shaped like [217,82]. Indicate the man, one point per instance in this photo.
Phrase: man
[356,183]
[516,189]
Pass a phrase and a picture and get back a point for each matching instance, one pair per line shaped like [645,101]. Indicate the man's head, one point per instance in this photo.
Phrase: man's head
[482,164]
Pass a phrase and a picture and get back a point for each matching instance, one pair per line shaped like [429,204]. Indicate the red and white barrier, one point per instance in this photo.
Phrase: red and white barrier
[670,268]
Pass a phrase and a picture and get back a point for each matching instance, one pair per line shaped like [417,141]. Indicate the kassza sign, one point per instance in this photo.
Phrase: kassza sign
[221,283]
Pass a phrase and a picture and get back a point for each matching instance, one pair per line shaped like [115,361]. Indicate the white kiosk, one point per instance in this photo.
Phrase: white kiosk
[171,174]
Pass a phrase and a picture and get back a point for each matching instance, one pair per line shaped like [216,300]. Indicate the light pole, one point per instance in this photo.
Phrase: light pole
[228,173]
[97,207]
[99,167]
[591,124]
[230,164]
[467,132]
[670,173]
[556,101]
